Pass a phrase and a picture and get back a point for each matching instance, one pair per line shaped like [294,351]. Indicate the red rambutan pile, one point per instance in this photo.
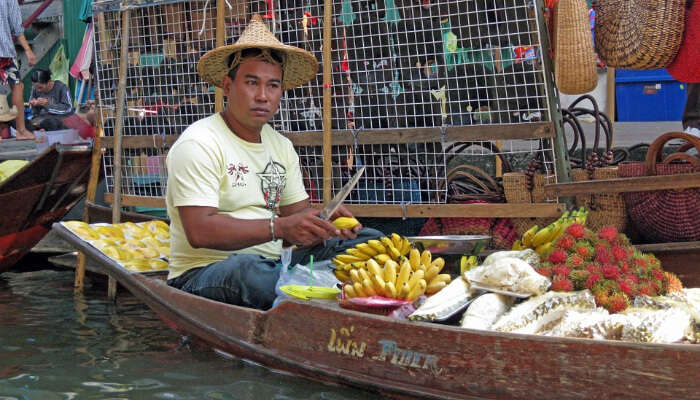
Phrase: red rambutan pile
[577,231]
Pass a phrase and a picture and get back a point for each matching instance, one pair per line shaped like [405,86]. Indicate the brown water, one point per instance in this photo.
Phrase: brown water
[54,345]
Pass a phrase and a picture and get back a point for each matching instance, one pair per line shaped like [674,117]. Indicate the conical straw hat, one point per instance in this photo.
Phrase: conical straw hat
[299,65]
[6,113]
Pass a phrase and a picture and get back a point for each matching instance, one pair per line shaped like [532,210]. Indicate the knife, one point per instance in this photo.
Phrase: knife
[339,197]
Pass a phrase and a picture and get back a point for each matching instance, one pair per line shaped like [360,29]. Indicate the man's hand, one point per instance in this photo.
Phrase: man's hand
[31,57]
[346,234]
[305,228]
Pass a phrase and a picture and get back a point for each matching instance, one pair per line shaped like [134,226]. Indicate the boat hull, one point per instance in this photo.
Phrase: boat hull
[321,341]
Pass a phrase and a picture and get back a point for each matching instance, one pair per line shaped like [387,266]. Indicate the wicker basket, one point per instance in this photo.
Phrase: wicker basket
[574,56]
[639,34]
[686,66]
[605,209]
[665,215]
[515,188]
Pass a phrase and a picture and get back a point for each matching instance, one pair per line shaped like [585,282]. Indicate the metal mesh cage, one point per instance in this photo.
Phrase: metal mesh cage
[395,65]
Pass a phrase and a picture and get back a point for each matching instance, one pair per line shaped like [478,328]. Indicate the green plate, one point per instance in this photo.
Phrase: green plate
[310,292]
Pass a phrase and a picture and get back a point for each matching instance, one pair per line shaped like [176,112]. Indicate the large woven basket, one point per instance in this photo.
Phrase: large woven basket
[574,56]
[605,209]
[639,34]
[665,215]
[686,66]
[516,191]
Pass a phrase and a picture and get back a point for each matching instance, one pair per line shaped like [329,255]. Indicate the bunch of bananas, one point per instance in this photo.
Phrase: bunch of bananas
[542,240]
[406,279]
[467,262]
[380,250]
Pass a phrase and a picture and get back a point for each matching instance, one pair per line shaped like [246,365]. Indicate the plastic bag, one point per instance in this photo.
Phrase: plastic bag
[299,275]
[59,66]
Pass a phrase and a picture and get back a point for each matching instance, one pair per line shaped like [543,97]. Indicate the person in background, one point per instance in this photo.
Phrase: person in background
[691,113]
[50,100]
[11,25]
[235,191]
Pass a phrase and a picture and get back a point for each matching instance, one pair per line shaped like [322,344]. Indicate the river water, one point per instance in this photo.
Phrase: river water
[54,345]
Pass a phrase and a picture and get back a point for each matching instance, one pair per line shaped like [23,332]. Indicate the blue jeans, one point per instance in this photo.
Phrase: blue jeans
[249,279]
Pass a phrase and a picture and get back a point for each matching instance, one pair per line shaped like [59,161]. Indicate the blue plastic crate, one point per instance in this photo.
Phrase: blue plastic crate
[648,96]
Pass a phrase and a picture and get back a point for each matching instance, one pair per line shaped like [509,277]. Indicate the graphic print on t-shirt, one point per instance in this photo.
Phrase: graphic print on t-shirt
[273,179]
[238,173]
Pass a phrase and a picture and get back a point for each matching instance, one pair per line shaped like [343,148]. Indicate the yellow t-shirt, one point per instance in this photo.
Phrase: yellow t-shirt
[212,167]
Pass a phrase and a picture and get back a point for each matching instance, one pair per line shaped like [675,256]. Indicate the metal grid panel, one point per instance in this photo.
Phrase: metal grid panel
[395,64]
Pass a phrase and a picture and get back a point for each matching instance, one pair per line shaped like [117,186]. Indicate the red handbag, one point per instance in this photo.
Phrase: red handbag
[686,66]
[665,215]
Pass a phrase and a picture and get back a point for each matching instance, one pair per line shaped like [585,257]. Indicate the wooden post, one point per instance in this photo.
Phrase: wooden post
[118,125]
[220,41]
[562,165]
[327,81]
[610,106]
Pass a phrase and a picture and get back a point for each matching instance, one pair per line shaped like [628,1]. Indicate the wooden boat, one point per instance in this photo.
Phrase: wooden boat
[39,194]
[324,342]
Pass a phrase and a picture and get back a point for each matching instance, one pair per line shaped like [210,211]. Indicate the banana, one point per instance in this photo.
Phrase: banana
[517,245]
[527,236]
[404,274]
[379,284]
[397,240]
[541,237]
[345,222]
[414,259]
[386,242]
[390,269]
[418,275]
[382,258]
[341,275]
[435,287]
[357,253]
[359,290]
[348,259]
[542,249]
[426,257]
[368,288]
[377,246]
[355,276]
[433,271]
[405,289]
[356,265]
[349,291]
[373,267]
[417,290]
[366,249]
[441,278]
[405,246]
[394,253]
[439,262]
[391,290]
[363,274]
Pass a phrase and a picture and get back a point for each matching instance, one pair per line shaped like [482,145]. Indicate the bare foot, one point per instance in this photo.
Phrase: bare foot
[24,135]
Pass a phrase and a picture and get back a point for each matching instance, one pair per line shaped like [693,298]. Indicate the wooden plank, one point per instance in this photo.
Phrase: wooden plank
[535,130]
[537,210]
[622,185]
[327,137]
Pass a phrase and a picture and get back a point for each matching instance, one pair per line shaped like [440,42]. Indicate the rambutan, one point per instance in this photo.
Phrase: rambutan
[575,261]
[561,284]
[638,260]
[566,242]
[617,303]
[633,278]
[577,231]
[557,256]
[645,289]
[592,268]
[602,255]
[624,267]
[627,287]
[672,283]
[608,233]
[592,280]
[561,270]
[623,240]
[583,249]
[579,277]
[653,261]
[658,274]
[618,252]
[544,271]
[611,272]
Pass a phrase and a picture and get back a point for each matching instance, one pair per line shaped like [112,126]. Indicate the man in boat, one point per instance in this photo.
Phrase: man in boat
[11,24]
[235,189]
